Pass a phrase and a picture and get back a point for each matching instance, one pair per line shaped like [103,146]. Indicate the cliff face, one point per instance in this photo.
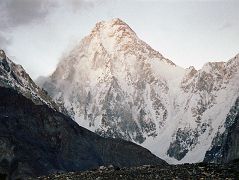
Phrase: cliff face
[15,77]
[225,146]
[37,140]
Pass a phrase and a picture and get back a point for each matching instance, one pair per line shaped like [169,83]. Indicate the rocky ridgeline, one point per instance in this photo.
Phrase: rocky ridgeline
[185,171]
[14,76]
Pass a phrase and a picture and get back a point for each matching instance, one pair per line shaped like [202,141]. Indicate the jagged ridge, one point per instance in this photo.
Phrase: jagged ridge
[14,76]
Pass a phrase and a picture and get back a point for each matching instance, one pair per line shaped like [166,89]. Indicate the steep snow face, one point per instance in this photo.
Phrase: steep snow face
[207,98]
[14,76]
[116,85]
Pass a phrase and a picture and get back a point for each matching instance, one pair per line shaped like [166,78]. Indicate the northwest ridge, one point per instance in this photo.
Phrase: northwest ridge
[116,85]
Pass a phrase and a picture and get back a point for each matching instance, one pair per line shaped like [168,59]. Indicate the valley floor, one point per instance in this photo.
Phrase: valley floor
[185,171]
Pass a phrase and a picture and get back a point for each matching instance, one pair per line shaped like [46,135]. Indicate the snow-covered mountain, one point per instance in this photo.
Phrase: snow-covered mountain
[115,84]
[37,140]
[14,76]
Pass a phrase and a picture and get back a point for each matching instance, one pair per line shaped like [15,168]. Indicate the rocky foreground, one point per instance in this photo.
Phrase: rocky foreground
[185,171]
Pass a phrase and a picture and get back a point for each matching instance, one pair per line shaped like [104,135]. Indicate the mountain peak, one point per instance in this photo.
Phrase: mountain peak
[2,54]
[13,76]
[237,56]
[111,23]
[116,21]
[115,84]
[113,28]
[116,36]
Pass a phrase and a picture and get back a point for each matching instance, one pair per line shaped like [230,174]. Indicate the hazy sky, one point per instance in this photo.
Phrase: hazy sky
[35,33]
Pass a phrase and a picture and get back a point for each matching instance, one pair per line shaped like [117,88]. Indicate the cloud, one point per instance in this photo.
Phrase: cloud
[78,4]
[20,12]
[15,13]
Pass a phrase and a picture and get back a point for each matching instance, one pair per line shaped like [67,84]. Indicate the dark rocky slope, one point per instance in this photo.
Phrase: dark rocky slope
[36,140]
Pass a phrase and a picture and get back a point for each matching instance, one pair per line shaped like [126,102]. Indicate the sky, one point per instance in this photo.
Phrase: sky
[36,33]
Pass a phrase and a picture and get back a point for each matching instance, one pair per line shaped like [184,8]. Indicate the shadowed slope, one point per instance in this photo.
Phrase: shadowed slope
[36,140]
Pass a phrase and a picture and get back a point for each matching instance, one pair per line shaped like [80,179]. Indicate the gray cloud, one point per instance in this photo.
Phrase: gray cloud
[20,12]
[78,4]
[16,13]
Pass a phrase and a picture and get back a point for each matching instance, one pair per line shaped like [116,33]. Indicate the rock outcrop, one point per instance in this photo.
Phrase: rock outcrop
[37,140]
[14,76]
